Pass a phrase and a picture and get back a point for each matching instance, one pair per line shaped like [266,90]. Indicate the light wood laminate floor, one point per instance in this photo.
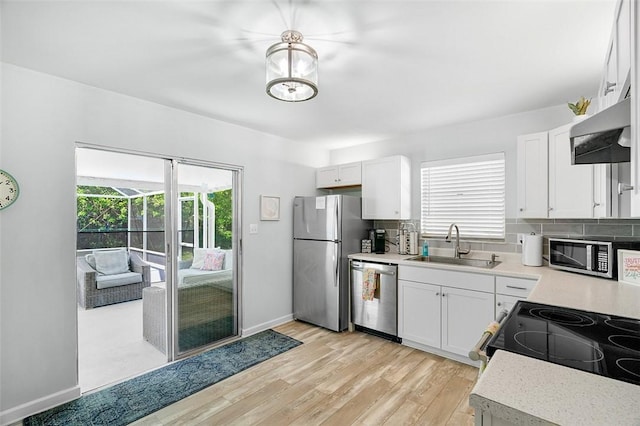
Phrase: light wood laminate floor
[334,379]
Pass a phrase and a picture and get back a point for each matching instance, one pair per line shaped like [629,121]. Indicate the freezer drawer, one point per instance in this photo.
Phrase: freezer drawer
[381,313]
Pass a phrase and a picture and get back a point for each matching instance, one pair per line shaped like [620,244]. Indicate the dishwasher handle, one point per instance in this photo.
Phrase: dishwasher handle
[385,271]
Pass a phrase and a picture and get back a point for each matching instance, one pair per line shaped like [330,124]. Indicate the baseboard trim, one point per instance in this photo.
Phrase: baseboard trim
[18,413]
[266,325]
[440,352]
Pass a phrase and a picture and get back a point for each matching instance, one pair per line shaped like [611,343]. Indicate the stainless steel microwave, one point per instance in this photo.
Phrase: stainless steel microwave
[589,256]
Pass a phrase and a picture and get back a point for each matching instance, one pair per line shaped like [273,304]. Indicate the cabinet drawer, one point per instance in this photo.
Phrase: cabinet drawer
[464,280]
[514,286]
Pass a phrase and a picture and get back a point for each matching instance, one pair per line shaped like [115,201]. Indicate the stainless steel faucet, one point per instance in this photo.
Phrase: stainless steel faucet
[457,251]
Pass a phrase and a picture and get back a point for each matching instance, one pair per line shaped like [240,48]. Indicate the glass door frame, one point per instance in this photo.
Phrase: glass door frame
[173,242]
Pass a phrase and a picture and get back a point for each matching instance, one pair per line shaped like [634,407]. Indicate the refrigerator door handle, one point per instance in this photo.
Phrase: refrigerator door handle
[337,260]
[335,227]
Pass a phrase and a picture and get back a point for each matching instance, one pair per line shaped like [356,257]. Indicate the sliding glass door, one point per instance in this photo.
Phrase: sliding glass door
[177,221]
[205,274]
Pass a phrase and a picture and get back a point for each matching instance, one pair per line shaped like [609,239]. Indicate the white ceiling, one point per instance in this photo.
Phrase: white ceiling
[387,68]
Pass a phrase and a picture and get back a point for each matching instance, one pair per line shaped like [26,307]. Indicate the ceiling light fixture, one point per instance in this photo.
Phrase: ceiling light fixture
[292,69]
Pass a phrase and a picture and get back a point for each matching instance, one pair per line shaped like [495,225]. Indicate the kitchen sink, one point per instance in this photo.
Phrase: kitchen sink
[478,263]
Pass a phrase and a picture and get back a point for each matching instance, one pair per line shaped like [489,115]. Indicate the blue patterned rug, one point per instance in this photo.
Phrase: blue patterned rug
[128,401]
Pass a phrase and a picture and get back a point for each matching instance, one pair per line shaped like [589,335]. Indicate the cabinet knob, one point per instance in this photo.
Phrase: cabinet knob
[595,205]
[550,208]
[444,294]
[521,209]
[609,88]
[499,303]
[438,294]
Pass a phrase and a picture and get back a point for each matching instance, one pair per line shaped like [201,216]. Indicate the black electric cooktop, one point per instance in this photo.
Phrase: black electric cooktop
[602,344]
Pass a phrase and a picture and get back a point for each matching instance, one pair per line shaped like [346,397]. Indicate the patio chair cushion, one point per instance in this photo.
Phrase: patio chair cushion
[112,262]
[115,280]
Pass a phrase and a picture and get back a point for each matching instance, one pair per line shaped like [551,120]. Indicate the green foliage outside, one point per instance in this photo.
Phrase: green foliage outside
[102,221]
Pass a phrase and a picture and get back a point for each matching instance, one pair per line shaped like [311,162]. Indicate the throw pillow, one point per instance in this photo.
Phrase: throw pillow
[213,261]
[198,256]
[112,262]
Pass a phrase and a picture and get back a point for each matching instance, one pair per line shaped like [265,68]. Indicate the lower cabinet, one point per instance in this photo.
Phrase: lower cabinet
[444,317]
[510,289]
[465,316]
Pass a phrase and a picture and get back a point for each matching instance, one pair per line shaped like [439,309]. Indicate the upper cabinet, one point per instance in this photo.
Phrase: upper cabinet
[341,175]
[550,186]
[533,178]
[571,187]
[616,77]
[386,188]
[635,108]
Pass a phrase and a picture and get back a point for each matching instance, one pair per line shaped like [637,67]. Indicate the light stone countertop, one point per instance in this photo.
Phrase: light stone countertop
[527,391]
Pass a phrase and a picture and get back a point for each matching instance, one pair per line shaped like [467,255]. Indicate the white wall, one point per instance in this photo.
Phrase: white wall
[43,116]
[461,140]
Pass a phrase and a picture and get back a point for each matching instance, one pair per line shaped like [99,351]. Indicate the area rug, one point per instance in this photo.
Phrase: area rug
[128,401]
[201,334]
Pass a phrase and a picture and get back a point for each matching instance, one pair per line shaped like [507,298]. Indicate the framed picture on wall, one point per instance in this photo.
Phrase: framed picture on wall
[269,207]
[629,266]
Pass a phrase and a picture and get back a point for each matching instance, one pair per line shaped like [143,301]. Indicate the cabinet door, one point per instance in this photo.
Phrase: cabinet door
[610,81]
[602,190]
[386,189]
[504,301]
[327,177]
[419,312]
[623,47]
[570,186]
[532,175]
[465,316]
[350,174]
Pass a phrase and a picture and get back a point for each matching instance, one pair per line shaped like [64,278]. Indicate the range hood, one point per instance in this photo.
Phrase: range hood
[604,137]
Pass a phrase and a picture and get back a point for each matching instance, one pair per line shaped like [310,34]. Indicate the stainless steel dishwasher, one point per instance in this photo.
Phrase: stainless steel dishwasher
[375,312]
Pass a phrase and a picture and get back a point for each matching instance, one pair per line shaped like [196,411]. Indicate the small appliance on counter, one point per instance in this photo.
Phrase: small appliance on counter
[532,250]
[378,239]
[407,239]
[589,255]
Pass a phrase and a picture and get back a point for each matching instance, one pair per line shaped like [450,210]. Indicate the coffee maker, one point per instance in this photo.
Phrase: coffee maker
[378,240]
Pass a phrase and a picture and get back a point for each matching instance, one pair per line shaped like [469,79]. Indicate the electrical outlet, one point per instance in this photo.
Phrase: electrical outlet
[520,238]
[253,228]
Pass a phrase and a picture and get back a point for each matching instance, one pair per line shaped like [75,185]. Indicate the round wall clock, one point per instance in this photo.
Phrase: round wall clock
[9,189]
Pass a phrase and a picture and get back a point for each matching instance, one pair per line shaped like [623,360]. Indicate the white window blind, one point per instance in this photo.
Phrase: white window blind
[467,191]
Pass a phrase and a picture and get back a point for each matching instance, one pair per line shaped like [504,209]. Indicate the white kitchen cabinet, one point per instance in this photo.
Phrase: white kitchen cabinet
[570,186]
[444,310]
[505,302]
[635,108]
[386,188]
[420,316]
[550,186]
[532,162]
[617,71]
[510,289]
[465,316]
[349,174]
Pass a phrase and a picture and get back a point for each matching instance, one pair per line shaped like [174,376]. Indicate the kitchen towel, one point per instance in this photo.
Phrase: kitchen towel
[532,250]
[369,284]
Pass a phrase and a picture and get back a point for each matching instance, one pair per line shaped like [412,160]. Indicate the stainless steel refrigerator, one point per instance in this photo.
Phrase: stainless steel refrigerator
[326,230]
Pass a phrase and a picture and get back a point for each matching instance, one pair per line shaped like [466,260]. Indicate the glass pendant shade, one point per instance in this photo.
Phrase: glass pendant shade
[292,69]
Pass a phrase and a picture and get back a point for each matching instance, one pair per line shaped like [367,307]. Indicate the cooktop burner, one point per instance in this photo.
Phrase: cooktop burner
[602,344]
[562,317]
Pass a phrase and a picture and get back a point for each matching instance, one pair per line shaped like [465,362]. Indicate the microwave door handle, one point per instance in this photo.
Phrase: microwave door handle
[589,257]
